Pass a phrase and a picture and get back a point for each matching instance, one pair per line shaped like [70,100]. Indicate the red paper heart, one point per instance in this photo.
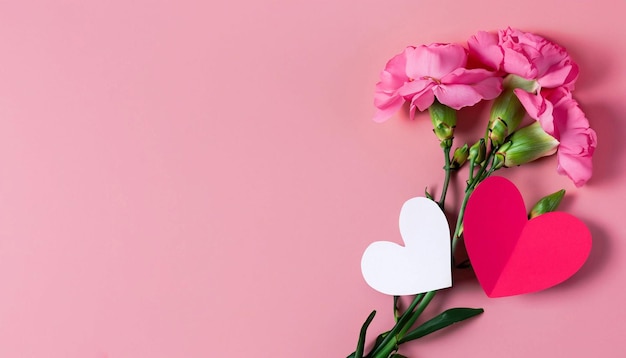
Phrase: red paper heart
[512,255]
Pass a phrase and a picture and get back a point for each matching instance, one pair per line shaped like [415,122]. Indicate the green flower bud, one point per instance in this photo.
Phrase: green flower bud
[528,144]
[507,111]
[498,131]
[459,157]
[444,120]
[547,204]
[478,151]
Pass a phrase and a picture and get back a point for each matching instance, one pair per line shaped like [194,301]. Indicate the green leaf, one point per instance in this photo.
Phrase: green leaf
[379,339]
[427,194]
[443,320]
[547,204]
[361,345]
[397,355]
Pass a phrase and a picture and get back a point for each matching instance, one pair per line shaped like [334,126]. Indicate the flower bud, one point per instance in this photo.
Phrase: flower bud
[459,157]
[507,111]
[547,204]
[528,144]
[478,151]
[444,120]
[498,131]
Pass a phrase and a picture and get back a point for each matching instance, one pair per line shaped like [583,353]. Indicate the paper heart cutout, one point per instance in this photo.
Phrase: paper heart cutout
[512,255]
[423,264]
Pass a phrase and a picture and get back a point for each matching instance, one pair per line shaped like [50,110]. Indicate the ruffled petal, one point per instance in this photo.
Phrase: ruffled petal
[483,81]
[436,60]
[422,101]
[577,168]
[517,63]
[387,110]
[457,96]
[410,89]
[559,76]
[539,109]
[484,49]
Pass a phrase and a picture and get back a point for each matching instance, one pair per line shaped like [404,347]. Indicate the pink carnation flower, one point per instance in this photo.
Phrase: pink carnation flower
[561,117]
[524,54]
[553,72]
[421,74]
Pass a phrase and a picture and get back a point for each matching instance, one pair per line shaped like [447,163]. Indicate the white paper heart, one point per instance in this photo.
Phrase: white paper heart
[423,264]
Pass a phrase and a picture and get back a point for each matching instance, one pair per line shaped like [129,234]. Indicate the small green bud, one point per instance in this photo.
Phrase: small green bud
[528,144]
[498,131]
[547,204]
[444,120]
[478,151]
[459,157]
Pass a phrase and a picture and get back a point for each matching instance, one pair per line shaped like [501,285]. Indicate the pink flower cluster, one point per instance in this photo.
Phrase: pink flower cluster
[421,74]
[534,58]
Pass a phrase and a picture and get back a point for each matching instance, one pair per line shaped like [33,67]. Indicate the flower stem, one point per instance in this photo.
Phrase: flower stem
[446,181]
[418,311]
[390,342]
[395,308]
[473,181]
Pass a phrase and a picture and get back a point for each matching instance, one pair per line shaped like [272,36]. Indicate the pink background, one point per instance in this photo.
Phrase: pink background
[200,178]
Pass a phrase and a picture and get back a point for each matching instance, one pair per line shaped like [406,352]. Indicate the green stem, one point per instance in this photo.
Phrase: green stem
[420,308]
[446,181]
[395,308]
[473,181]
[459,221]
[390,341]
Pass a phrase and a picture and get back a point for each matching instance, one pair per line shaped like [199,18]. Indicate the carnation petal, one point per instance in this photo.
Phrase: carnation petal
[557,77]
[538,108]
[436,60]
[422,101]
[385,112]
[484,48]
[577,168]
[516,63]
[483,81]
[457,96]
[409,89]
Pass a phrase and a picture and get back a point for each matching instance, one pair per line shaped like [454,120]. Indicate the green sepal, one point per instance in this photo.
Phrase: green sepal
[527,144]
[427,194]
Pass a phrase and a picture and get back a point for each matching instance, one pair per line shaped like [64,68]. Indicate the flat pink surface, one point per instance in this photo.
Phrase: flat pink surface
[200,178]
